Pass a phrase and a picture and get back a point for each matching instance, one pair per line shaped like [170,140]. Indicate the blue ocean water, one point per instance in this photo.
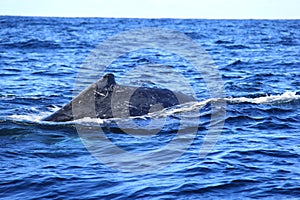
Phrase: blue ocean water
[257,154]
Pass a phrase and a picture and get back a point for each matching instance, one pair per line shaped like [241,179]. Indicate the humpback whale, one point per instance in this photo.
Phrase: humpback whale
[106,99]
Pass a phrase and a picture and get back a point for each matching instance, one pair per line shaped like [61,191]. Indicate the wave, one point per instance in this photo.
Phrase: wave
[32,44]
[223,42]
[238,46]
[237,62]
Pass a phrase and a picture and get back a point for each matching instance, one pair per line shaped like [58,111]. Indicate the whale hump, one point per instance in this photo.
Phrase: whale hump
[106,99]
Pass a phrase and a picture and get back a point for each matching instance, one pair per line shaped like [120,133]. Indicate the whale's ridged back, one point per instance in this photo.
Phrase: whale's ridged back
[106,99]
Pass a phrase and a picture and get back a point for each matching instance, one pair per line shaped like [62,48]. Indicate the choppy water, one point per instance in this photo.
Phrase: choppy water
[256,156]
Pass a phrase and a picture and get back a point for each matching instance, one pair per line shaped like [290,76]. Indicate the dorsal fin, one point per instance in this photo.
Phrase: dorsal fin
[110,79]
[106,81]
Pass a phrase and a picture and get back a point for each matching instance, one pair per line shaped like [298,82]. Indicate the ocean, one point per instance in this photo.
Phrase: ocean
[239,140]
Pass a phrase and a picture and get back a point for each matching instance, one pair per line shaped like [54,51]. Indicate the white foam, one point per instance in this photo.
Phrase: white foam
[285,97]
[187,107]
[88,120]
[29,117]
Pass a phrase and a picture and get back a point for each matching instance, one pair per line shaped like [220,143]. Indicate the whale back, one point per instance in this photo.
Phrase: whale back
[106,99]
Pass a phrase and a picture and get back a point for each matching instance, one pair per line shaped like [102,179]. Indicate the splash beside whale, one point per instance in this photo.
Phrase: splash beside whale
[106,99]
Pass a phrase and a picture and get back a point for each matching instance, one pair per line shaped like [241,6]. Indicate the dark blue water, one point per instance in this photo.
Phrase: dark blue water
[257,154]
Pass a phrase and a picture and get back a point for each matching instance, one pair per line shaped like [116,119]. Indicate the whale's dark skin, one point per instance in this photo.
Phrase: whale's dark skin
[106,99]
